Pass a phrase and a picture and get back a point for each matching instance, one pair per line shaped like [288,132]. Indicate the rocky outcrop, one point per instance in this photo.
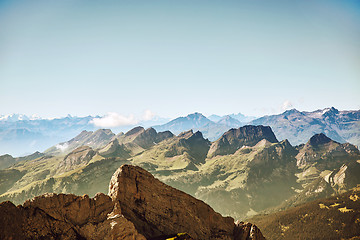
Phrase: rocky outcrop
[196,145]
[147,138]
[78,157]
[319,139]
[326,153]
[61,216]
[193,145]
[246,230]
[138,139]
[140,206]
[157,209]
[346,177]
[234,139]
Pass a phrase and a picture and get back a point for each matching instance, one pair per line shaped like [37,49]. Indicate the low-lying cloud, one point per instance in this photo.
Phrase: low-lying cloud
[113,119]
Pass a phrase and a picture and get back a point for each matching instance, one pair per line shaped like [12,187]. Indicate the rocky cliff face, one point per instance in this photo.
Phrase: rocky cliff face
[78,157]
[234,139]
[138,139]
[326,153]
[139,206]
[157,209]
[65,216]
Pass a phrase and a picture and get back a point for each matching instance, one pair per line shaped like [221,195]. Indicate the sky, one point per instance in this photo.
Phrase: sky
[172,58]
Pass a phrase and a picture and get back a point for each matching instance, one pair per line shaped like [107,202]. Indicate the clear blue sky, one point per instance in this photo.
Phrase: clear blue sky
[177,57]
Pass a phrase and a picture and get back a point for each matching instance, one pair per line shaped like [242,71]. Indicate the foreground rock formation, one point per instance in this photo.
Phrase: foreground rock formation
[139,207]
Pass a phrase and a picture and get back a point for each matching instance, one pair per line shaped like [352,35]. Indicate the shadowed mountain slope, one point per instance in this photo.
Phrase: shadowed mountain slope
[234,139]
[337,217]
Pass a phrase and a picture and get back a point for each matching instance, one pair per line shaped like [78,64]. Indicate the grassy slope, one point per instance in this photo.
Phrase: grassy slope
[240,184]
[337,217]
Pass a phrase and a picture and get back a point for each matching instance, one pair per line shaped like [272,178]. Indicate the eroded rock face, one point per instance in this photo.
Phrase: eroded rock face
[79,156]
[65,216]
[245,230]
[234,139]
[326,153]
[157,209]
[140,206]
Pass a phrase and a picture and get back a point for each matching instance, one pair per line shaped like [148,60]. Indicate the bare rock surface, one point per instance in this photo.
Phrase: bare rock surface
[78,157]
[139,207]
[234,139]
[157,209]
[65,216]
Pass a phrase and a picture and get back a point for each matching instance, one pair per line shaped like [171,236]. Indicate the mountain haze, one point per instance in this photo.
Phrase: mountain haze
[245,172]
[298,127]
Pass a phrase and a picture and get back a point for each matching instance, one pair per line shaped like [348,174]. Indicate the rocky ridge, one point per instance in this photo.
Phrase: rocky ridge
[138,207]
[249,178]
[234,139]
[299,126]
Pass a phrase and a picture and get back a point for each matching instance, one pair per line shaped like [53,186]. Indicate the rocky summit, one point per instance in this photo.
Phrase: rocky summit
[234,139]
[138,207]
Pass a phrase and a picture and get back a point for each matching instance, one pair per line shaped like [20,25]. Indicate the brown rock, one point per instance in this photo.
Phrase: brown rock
[31,223]
[78,210]
[157,209]
[140,205]
[247,231]
[65,216]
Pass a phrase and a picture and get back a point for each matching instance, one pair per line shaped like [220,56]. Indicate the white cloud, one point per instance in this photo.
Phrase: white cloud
[113,119]
[286,105]
[62,147]
[148,115]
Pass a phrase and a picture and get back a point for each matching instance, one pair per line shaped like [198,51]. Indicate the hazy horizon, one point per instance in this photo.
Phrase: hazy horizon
[175,58]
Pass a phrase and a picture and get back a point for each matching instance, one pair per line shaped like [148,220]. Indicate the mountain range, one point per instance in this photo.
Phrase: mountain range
[297,127]
[245,172]
[20,134]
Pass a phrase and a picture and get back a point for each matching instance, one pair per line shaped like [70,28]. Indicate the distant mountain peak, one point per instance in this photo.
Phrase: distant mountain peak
[178,125]
[227,117]
[195,115]
[234,139]
[134,131]
[103,130]
[229,121]
[214,117]
[319,139]
[330,111]
[291,111]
